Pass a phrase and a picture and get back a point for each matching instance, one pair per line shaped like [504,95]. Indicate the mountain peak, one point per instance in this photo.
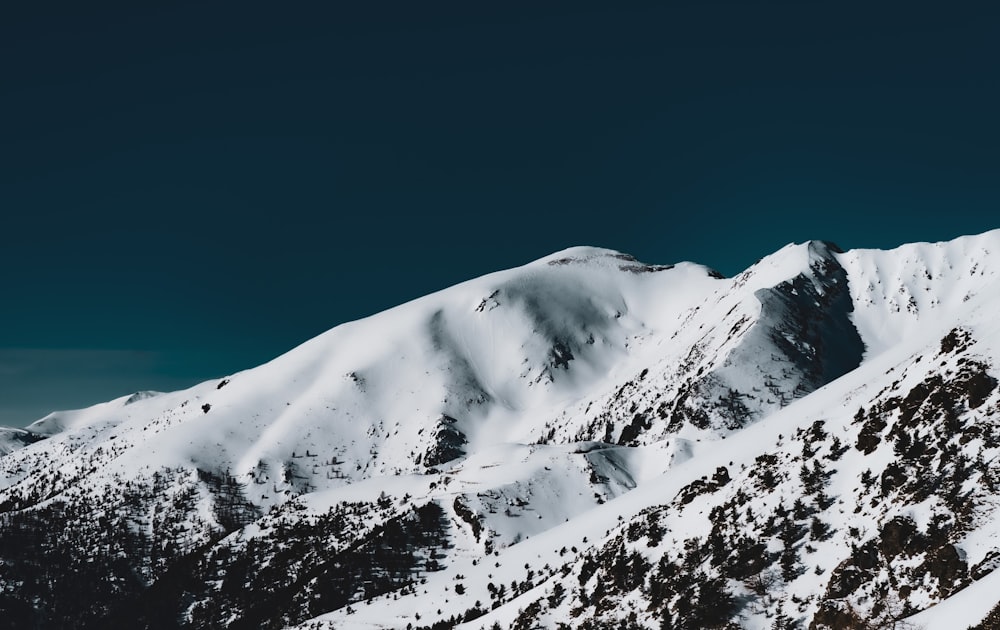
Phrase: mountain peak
[824,248]
[583,253]
[586,440]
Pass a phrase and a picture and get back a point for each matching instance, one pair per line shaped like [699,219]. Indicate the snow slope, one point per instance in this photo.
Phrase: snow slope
[583,440]
[783,435]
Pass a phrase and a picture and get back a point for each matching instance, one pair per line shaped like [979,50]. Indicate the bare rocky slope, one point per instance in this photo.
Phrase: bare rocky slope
[585,441]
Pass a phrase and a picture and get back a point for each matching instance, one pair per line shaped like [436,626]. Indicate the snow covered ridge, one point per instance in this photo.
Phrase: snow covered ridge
[584,441]
[12,439]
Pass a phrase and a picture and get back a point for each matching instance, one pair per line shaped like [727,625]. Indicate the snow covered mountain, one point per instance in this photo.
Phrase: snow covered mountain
[585,441]
[12,439]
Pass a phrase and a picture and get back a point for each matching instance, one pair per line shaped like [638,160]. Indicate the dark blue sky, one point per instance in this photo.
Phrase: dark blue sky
[193,189]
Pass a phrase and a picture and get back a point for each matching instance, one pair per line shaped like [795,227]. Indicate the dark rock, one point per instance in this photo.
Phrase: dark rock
[900,536]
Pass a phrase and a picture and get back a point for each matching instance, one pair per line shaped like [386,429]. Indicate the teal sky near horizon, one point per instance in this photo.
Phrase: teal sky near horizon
[190,190]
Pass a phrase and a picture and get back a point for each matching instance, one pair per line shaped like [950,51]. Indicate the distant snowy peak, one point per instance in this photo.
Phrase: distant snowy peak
[59,421]
[13,439]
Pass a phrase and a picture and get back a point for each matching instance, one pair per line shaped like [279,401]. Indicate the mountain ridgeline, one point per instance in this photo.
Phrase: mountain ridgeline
[586,441]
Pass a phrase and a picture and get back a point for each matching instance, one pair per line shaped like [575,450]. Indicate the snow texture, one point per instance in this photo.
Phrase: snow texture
[584,441]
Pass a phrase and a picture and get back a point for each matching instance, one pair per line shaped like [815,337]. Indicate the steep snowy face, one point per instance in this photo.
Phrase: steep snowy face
[586,439]
[898,292]
[792,334]
[774,333]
